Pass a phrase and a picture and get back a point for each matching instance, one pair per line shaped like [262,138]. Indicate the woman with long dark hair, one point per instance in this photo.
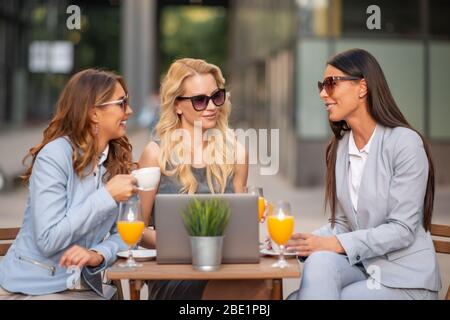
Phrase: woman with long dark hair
[380,191]
[78,174]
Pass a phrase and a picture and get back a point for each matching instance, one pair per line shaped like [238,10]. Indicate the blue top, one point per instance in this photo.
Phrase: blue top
[62,210]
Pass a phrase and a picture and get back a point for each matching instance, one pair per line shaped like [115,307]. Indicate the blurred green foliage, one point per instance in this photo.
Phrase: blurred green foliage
[195,32]
[184,31]
[98,42]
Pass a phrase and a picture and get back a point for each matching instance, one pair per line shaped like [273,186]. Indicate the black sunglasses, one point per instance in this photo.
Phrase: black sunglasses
[200,102]
[123,103]
[330,82]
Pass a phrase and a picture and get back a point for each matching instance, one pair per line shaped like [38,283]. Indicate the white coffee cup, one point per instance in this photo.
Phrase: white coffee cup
[147,178]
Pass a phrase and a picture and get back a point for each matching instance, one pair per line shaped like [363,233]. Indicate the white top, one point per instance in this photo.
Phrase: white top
[357,160]
[101,158]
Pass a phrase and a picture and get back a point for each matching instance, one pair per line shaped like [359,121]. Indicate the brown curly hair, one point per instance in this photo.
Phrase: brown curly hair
[84,90]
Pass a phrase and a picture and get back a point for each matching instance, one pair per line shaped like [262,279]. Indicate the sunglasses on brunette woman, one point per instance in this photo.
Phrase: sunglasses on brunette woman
[329,83]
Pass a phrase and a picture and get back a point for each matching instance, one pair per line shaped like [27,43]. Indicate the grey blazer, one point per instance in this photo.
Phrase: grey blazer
[386,233]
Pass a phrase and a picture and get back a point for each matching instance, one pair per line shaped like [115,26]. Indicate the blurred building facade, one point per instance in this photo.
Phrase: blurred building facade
[13,31]
[121,35]
[279,50]
[39,50]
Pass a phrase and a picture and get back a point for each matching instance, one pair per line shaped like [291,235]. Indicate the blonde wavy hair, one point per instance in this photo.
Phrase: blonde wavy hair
[217,171]
[84,90]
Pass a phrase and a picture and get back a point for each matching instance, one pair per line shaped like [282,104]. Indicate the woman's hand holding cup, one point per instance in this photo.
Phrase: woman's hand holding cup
[122,187]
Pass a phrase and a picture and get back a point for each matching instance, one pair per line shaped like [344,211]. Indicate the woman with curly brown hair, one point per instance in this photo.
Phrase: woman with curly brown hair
[78,174]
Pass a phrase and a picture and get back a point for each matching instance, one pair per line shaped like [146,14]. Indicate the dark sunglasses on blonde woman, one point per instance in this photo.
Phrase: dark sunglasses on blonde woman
[329,83]
[200,102]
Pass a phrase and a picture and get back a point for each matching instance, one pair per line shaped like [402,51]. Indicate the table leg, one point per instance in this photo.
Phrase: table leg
[277,289]
[135,289]
[118,285]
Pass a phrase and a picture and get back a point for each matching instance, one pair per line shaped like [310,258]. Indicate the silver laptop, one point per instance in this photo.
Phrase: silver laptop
[241,242]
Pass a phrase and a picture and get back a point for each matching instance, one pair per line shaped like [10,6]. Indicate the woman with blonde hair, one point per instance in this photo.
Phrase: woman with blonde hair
[197,153]
[79,172]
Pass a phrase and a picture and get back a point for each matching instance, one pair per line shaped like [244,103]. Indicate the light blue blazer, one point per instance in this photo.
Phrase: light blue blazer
[62,210]
[386,233]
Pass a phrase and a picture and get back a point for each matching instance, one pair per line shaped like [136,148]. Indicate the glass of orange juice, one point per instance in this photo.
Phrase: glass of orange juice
[280,224]
[130,226]
[262,202]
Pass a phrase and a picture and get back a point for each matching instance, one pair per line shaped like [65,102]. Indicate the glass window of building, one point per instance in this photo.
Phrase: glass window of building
[401,17]
[439,92]
[402,62]
[311,117]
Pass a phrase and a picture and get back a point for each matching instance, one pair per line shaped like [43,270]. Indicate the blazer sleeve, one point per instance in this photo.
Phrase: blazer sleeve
[56,225]
[340,226]
[109,249]
[405,205]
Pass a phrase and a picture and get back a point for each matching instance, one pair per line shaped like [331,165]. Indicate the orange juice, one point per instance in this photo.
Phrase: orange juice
[280,228]
[261,208]
[130,232]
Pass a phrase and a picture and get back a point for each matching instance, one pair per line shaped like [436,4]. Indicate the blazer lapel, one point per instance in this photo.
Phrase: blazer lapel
[368,187]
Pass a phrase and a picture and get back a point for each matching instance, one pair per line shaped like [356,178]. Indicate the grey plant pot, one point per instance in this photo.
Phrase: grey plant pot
[206,253]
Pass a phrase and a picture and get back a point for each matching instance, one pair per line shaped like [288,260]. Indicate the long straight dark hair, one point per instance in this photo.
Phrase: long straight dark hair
[382,107]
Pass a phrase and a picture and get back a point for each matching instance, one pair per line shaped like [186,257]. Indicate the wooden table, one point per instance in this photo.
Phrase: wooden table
[153,271]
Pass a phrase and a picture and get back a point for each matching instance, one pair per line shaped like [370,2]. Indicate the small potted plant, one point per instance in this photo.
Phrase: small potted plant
[205,222]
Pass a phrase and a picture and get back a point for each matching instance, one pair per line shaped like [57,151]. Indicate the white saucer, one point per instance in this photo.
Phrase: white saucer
[275,253]
[139,255]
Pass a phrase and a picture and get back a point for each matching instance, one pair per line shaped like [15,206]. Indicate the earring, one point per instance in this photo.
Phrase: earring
[96,129]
